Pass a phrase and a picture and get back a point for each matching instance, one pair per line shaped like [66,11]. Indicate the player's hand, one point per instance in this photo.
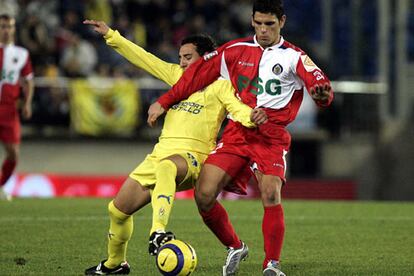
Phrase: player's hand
[154,111]
[27,111]
[258,116]
[321,93]
[98,26]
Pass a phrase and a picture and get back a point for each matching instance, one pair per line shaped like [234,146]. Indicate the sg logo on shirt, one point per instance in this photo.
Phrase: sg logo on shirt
[7,76]
[271,87]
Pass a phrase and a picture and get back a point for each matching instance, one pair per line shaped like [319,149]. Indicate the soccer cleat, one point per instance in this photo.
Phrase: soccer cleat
[4,195]
[101,269]
[273,269]
[158,239]
[234,257]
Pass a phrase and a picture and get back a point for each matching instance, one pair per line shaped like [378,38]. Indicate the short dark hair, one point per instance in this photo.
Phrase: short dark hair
[203,42]
[269,6]
[5,16]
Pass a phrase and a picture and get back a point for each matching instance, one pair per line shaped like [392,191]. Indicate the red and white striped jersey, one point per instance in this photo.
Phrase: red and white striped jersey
[14,64]
[273,78]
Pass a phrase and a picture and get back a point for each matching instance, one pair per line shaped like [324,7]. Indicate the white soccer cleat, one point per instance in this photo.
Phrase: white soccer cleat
[234,257]
[101,269]
[4,195]
[273,269]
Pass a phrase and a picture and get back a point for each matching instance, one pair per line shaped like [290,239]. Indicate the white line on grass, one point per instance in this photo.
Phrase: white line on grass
[196,218]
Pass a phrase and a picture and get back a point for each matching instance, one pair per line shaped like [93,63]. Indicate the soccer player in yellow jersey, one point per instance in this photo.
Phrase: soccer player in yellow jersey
[188,135]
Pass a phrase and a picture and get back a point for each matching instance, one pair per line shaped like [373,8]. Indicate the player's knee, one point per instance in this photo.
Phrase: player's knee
[271,193]
[167,166]
[116,215]
[271,198]
[12,154]
[204,200]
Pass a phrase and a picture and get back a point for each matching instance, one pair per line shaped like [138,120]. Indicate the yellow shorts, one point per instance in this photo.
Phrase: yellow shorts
[145,172]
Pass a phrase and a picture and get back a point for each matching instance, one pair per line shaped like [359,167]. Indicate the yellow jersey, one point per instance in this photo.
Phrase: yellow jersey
[192,124]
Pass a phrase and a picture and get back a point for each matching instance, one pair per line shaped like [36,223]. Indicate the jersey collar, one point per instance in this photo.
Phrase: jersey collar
[6,44]
[282,40]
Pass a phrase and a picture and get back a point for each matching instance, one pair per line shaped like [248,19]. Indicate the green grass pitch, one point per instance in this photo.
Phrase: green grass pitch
[65,236]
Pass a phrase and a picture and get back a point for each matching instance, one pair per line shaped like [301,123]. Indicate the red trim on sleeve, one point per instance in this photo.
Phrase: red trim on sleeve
[313,78]
[27,68]
[1,60]
[198,76]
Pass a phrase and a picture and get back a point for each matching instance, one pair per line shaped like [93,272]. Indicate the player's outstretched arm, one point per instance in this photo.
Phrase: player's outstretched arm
[164,71]
[316,82]
[199,75]
[98,26]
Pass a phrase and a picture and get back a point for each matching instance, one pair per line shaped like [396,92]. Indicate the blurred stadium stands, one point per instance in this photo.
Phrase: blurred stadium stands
[366,48]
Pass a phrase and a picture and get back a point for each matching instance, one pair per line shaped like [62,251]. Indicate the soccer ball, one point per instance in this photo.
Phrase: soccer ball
[176,258]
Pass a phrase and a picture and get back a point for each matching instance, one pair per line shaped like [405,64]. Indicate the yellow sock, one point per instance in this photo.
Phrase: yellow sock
[162,198]
[120,231]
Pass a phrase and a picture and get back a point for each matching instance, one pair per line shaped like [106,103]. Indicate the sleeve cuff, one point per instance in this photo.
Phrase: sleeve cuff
[109,34]
[163,104]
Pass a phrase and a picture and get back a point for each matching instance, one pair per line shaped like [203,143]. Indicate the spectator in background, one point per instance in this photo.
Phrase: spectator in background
[139,32]
[198,24]
[180,12]
[79,57]
[10,7]
[70,24]
[99,9]
[45,10]
[135,31]
[15,66]
[166,52]
[34,36]
[207,8]
[226,32]
[123,25]
[240,11]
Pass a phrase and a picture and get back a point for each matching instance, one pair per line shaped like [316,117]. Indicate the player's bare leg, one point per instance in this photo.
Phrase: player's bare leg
[211,182]
[9,164]
[273,225]
[169,172]
[270,187]
[130,198]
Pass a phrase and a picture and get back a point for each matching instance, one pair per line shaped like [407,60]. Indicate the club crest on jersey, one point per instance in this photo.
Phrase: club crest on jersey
[193,159]
[277,69]
[210,55]
[308,63]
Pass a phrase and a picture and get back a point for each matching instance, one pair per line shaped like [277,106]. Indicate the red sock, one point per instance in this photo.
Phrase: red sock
[7,170]
[218,221]
[273,228]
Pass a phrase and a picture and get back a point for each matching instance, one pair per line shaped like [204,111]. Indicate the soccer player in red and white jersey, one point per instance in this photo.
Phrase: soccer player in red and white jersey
[267,72]
[15,67]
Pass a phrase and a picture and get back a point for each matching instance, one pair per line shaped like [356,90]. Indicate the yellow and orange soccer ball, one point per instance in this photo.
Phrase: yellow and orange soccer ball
[176,258]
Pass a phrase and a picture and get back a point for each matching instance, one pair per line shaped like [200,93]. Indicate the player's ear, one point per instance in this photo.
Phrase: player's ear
[282,21]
